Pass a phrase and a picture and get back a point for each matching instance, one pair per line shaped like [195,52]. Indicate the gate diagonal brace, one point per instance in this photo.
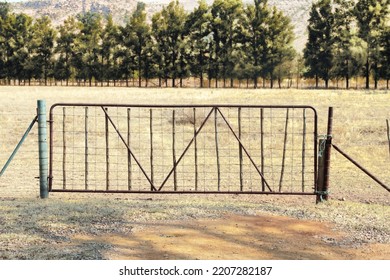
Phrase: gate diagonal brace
[187,148]
[129,150]
[245,150]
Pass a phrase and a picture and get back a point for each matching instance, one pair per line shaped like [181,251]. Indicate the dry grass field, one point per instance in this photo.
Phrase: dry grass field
[354,224]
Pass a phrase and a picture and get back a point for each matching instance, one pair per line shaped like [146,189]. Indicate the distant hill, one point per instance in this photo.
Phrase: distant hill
[59,10]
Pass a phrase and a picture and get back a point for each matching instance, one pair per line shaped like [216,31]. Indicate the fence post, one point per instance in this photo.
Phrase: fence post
[43,154]
[324,162]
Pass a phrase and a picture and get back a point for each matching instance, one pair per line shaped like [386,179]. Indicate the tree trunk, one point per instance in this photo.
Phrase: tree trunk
[139,70]
[376,76]
[367,74]
[316,81]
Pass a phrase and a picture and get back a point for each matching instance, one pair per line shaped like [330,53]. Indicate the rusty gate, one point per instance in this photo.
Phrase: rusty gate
[228,149]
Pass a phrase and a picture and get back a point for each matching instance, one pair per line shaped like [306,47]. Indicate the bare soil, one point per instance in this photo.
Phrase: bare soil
[237,237]
[354,224]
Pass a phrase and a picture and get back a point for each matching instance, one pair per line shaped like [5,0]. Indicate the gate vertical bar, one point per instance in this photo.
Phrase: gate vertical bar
[284,151]
[43,151]
[303,150]
[195,152]
[107,152]
[217,149]
[262,146]
[129,168]
[151,150]
[86,148]
[64,148]
[240,150]
[174,150]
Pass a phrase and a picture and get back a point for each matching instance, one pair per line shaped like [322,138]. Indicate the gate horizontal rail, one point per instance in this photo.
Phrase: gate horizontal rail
[212,149]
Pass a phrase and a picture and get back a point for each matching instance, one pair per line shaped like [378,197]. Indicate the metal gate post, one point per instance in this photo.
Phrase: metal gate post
[43,155]
[324,163]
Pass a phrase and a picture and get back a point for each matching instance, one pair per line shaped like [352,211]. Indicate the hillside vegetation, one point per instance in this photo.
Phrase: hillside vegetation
[59,10]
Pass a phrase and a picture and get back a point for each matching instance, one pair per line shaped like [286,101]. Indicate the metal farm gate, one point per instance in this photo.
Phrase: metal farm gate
[183,149]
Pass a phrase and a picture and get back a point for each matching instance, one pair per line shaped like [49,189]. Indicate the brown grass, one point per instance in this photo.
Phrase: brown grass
[35,229]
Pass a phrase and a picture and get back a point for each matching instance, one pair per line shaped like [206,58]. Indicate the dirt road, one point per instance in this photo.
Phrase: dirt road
[238,237]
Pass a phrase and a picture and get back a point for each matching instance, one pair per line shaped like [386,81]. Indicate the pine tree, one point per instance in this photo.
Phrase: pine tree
[343,38]
[137,38]
[197,29]
[43,45]
[87,59]
[226,20]
[371,16]
[168,27]
[318,50]
[255,33]
[4,14]
[108,51]
[19,40]
[279,45]
[68,45]
[384,69]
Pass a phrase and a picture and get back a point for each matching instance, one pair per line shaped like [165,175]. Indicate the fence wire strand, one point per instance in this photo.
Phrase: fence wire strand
[160,143]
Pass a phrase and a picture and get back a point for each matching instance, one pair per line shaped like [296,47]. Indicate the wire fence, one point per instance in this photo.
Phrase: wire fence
[184,149]
[361,130]
[21,176]
[362,134]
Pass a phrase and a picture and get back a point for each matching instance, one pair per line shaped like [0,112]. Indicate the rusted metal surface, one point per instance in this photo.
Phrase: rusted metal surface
[323,188]
[175,149]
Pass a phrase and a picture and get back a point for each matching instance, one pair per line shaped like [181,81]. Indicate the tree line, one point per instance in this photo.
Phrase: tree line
[218,44]
[348,39]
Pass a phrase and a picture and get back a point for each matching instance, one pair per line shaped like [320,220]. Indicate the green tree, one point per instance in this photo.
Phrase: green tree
[137,38]
[384,70]
[68,45]
[43,45]
[168,27]
[87,57]
[4,10]
[225,24]
[4,14]
[109,51]
[371,16]
[279,46]
[19,47]
[343,39]
[318,50]
[255,39]
[198,29]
